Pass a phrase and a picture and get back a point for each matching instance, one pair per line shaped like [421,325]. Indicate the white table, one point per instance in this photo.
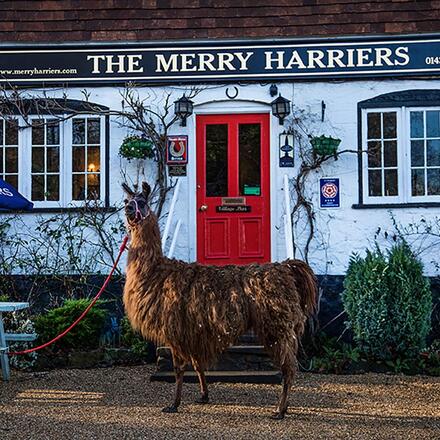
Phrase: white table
[4,337]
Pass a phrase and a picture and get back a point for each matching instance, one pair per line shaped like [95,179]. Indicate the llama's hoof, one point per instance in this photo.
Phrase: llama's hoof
[202,400]
[170,409]
[277,415]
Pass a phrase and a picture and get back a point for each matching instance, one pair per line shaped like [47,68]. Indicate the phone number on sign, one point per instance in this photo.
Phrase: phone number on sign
[432,60]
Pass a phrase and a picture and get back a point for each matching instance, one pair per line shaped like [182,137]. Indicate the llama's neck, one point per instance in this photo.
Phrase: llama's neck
[146,245]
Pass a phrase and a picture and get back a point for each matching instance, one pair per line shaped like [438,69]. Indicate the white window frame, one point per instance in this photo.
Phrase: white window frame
[26,152]
[403,158]
[411,198]
[25,161]
[5,146]
[68,140]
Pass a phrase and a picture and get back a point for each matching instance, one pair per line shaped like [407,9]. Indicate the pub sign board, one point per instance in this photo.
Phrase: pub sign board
[177,150]
[329,193]
[222,61]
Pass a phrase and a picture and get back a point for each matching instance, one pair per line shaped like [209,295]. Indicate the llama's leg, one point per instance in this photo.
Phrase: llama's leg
[204,396]
[179,370]
[288,374]
[284,355]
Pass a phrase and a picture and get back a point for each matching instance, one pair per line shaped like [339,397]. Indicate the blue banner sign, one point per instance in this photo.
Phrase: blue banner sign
[12,200]
[222,61]
[329,193]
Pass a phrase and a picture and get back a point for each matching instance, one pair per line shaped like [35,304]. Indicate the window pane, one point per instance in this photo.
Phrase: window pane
[249,158]
[418,182]
[416,122]
[93,186]
[375,183]
[374,154]
[417,153]
[390,182]
[11,135]
[12,180]
[1,157]
[78,159]
[11,165]
[78,131]
[93,159]
[53,133]
[38,159]
[389,125]
[433,177]
[38,188]
[53,160]
[432,124]
[53,188]
[390,154]
[1,131]
[93,131]
[37,133]
[78,187]
[217,160]
[373,123]
[433,152]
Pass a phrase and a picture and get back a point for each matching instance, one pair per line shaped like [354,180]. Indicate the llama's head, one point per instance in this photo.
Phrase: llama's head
[137,207]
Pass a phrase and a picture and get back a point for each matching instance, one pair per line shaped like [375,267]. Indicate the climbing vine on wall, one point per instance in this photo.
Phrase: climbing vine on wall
[144,112]
[305,126]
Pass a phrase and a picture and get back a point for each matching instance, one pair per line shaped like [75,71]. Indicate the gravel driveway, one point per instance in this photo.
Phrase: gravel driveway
[121,403]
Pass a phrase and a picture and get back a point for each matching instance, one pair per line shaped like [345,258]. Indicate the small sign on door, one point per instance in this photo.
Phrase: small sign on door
[329,194]
[177,150]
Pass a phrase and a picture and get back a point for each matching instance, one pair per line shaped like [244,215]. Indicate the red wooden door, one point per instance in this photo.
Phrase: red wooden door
[233,189]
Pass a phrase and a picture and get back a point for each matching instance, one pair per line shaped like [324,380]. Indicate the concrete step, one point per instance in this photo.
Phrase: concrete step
[262,377]
[248,338]
[235,358]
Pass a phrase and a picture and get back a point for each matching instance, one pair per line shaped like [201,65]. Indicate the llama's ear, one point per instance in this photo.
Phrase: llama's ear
[127,189]
[146,189]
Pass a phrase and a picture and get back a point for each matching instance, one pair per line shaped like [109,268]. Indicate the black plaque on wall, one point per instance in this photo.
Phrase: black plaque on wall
[177,170]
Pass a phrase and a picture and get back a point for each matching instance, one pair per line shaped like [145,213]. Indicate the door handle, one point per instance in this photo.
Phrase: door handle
[203,208]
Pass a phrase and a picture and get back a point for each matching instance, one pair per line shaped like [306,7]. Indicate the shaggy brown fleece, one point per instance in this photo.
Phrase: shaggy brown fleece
[199,311]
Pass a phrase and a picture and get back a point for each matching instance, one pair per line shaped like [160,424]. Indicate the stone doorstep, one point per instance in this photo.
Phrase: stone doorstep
[241,349]
[258,377]
[240,363]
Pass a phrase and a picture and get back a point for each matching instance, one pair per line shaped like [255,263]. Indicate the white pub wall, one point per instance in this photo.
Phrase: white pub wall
[339,231]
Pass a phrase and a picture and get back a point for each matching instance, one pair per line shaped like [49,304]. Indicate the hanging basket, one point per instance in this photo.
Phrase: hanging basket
[136,147]
[325,145]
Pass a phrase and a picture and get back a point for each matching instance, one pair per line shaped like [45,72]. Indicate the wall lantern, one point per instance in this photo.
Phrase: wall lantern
[183,108]
[280,108]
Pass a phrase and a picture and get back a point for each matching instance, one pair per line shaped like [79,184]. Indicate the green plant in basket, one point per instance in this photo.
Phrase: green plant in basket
[325,145]
[136,147]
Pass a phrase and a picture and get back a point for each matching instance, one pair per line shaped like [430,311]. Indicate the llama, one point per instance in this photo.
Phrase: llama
[199,311]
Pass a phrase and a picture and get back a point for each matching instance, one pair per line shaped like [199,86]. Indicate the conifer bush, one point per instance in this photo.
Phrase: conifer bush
[388,302]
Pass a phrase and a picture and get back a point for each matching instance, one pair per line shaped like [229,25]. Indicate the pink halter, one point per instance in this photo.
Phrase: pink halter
[139,217]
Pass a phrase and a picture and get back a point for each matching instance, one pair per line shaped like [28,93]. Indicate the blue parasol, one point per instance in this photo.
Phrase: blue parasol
[12,200]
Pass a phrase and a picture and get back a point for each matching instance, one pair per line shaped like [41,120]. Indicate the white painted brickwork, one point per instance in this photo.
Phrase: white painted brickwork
[339,232]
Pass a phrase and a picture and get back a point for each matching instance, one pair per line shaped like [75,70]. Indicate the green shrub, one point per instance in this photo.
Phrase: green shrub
[388,302]
[333,356]
[135,342]
[85,335]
